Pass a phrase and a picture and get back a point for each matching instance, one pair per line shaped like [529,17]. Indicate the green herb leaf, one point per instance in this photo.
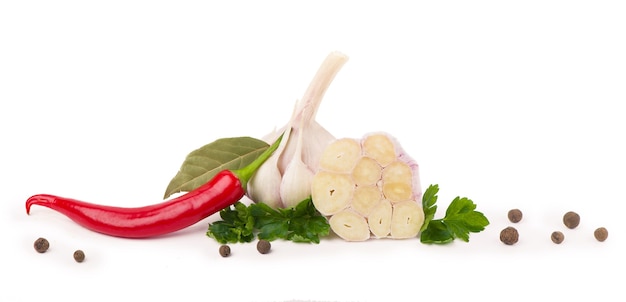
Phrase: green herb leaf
[437,232]
[237,225]
[223,154]
[461,218]
[428,204]
[302,223]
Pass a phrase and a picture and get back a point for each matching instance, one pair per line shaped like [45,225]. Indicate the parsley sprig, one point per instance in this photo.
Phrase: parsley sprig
[241,223]
[460,219]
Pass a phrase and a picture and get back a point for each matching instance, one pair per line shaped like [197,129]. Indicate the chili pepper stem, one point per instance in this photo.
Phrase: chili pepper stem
[244,174]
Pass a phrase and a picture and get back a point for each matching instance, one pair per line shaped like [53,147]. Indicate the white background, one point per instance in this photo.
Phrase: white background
[512,104]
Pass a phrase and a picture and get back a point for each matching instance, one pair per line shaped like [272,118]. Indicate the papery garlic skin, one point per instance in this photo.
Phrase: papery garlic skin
[285,178]
[296,173]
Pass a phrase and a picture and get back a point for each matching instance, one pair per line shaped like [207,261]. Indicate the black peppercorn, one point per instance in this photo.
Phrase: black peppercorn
[601,234]
[571,219]
[263,246]
[557,237]
[79,256]
[41,245]
[509,235]
[225,250]
[515,215]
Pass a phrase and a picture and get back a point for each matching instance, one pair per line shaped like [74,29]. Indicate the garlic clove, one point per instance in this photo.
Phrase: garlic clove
[291,189]
[380,219]
[341,155]
[317,138]
[379,147]
[264,185]
[331,192]
[349,226]
[407,219]
[296,173]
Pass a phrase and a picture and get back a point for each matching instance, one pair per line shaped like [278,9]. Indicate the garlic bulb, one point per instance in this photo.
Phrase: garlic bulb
[285,178]
[369,188]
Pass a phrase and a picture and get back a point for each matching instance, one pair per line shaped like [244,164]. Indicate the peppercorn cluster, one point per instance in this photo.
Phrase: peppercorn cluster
[42,245]
[571,220]
[262,246]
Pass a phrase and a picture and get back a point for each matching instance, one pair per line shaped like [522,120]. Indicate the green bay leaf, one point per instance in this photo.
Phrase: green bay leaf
[223,154]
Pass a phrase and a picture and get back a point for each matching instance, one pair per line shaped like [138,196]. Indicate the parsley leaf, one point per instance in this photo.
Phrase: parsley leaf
[236,225]
[428,203]
[302,223]
[461,219]
[437,232]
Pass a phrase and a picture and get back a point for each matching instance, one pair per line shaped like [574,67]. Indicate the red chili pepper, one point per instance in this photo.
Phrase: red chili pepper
[223,190]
